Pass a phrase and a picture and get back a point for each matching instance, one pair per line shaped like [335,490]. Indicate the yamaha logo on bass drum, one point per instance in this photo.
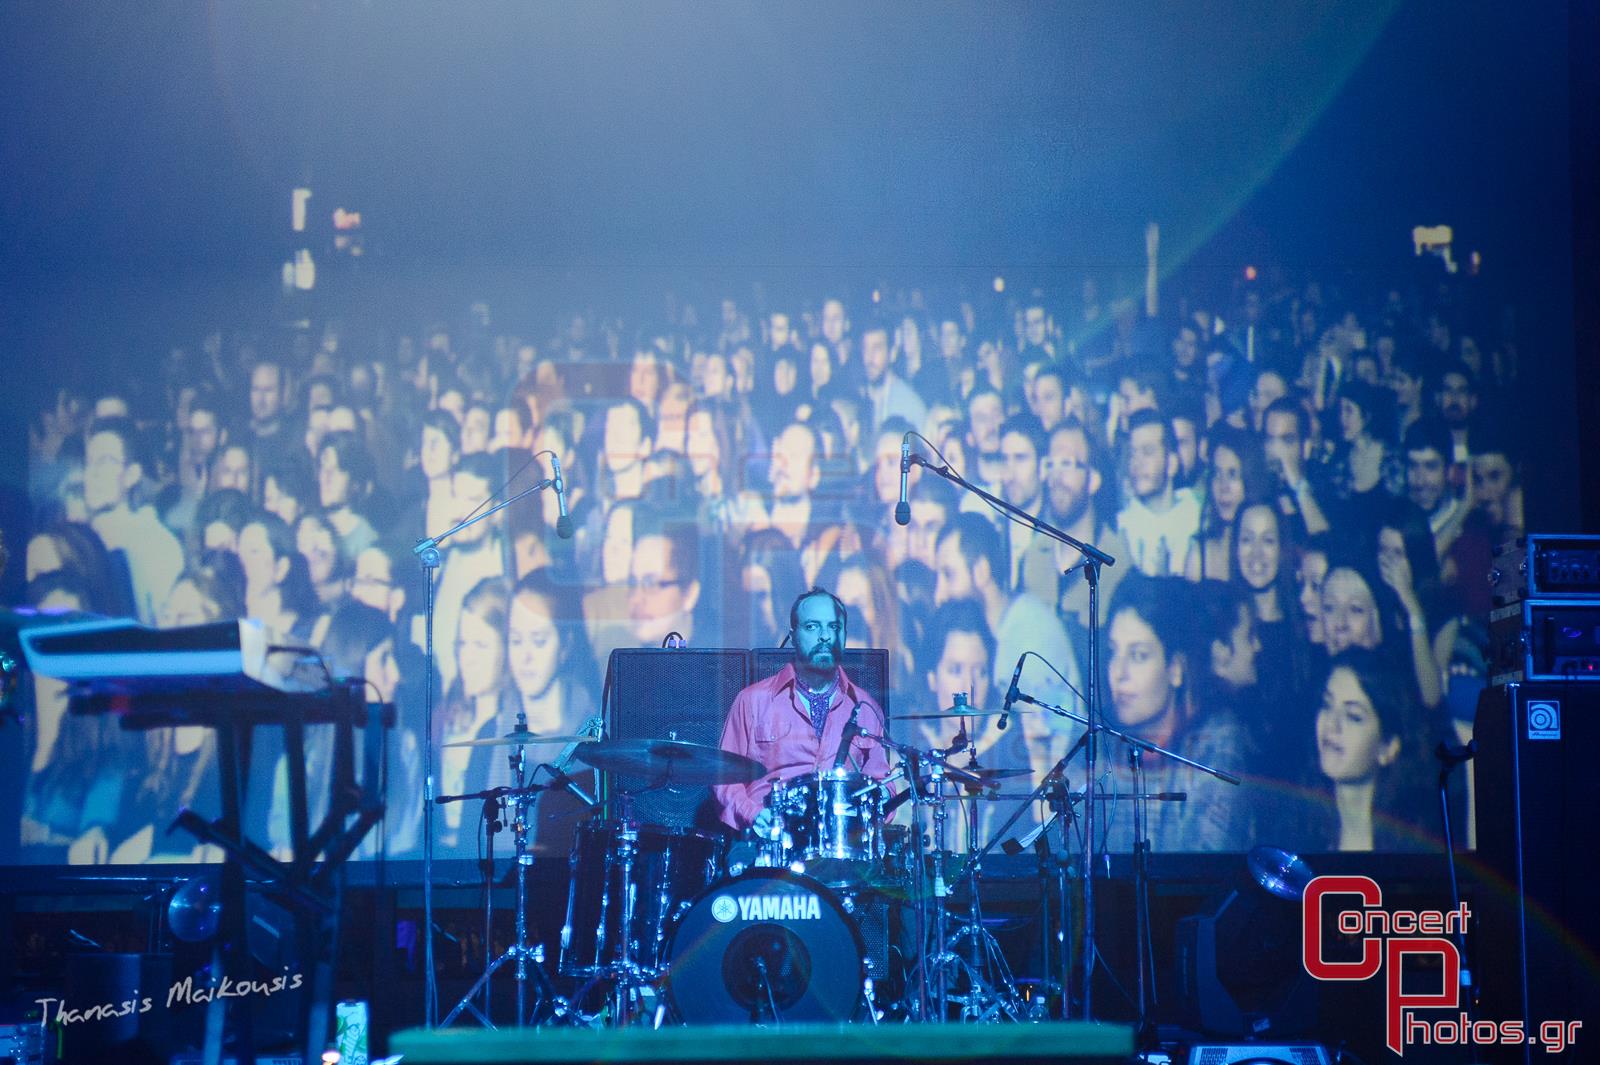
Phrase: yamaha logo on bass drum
[727,908]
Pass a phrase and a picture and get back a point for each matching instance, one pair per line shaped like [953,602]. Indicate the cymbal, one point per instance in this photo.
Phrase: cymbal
[989,775]
[959,708]
[519,739]
[679,760]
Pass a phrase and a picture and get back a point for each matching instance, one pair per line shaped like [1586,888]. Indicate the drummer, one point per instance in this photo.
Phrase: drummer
[793,721]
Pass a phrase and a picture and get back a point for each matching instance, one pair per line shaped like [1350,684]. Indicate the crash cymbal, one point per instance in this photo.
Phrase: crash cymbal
[959,709]
[989,776]
[520,739]
[678,760]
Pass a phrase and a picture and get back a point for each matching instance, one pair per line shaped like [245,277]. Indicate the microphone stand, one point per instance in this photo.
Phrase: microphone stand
[1093,559]
[427,552]
[1137,748]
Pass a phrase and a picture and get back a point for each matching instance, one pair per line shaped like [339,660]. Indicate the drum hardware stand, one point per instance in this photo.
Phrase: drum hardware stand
[427,552]
[523,798]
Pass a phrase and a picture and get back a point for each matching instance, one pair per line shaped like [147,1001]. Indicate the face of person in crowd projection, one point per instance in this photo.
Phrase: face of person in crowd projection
[468,490]
[1491,485]
[1150,464]
[951,342]
[672,416]
[475,430]
[1070,481]
[1185,443]
[833,321]
[1311,574]
[437,456]
[1351,747]
[624,439]
[231,469]
[794,472]
[703,450]
[266,392]
[1407,388]
[963,668]
[1019,469]
[715,379]
[778,334]
[1267,390]
[660,600]
[1260,548]
[275,500]
[984,415]
[187,605]
[1227,482]
[785,375]
[644,378]
[1352,420]
[315,542]
[263,570]
[1049,402]
[875,355]
[480,655]
[819,637]
[1144,678]
[108,477]
[1425,478]
[333,483]
[1283,443]
[821,365]
[1234,659]
[1456,399]
[372,582]
[533,645]
[201,437]
[382,671]
[855,592]
[953,577]
[1349,612]
[508,431]
[927,522]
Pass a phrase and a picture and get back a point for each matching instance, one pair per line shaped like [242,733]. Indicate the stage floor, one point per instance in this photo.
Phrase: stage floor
[838,1044]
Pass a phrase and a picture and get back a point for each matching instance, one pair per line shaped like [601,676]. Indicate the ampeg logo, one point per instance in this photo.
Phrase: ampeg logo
[1387,938]
[766,908]
[1544,719]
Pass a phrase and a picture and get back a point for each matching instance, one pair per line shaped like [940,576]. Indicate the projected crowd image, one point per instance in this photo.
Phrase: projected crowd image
[1298,479]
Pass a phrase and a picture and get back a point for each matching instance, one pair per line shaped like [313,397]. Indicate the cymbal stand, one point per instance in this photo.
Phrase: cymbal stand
[523,798]
[985,998]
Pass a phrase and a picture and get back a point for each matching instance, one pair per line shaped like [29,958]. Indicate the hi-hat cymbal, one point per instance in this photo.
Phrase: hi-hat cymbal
[520,739]
[677,760]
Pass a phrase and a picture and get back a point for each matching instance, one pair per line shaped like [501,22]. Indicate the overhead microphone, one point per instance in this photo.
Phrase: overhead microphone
[1011,693]
[564,522]
[902,509]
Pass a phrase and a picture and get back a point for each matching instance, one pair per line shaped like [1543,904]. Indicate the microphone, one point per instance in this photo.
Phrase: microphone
[851,730]
[902,509]
[1011,693]
[564,522]
[1450,756]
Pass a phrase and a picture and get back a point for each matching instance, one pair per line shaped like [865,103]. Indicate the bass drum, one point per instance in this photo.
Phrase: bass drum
[769,945]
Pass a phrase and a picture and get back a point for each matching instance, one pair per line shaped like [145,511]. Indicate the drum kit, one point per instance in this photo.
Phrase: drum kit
[694,927]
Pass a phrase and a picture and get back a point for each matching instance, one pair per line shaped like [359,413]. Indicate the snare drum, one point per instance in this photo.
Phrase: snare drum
[616,865]
[830,823]
[770,941]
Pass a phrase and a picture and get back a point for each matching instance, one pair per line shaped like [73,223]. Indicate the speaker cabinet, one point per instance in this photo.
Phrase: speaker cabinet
[681,694]
[1537,792]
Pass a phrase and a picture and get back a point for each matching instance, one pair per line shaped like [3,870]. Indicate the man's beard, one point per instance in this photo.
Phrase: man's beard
[831,647]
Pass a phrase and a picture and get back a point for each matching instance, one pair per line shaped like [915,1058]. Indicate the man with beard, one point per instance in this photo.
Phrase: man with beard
[1072,483]
[794,721]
